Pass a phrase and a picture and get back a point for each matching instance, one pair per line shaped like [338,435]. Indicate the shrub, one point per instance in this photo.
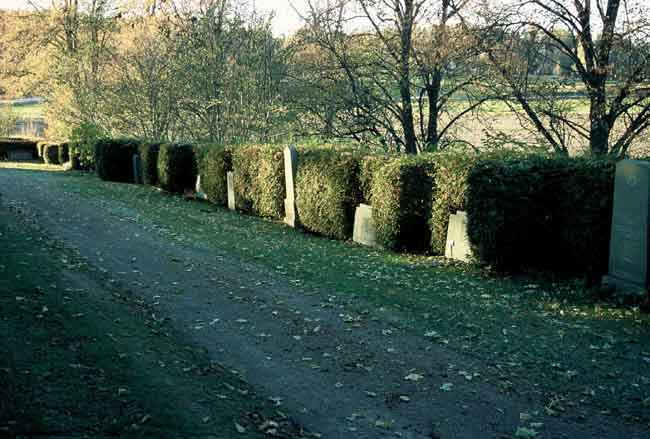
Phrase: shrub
[327,191]
[149,160]
[214,162]
[369,166]
[259,179]
[51,154]
[113,159]
[63,152]
[401,200]
[177,169]
[82,145]
[541,213]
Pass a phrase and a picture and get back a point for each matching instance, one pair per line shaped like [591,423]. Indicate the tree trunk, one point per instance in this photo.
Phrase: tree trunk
[433,94]
[410,140]
[600,126]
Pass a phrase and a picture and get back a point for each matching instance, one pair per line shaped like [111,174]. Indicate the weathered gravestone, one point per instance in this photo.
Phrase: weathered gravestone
[364,226]
[199,190]
[458,246]
[628,252]
[137,169]
[290,168]
[230,180]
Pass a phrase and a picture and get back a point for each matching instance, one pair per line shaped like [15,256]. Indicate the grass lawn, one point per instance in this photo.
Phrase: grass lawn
[550,341]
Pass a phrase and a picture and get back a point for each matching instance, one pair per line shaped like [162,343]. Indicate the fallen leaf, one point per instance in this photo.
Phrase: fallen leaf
[526,433]
[413,377]
[446,387]
[239,428]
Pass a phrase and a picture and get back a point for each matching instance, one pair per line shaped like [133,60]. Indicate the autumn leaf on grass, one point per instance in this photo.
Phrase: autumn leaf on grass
[446,387]
[239,428]
[413,377]
[526,433]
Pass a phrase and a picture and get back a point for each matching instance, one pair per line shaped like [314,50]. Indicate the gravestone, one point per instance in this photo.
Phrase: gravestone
[364,226]
[458,246]
[199,190]
[628,253]
[290,168]
[230,180]
[137,169]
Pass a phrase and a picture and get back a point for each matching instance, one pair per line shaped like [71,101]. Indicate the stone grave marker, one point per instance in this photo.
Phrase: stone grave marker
[290,168]
[364,226]
[458,246]
[137,169]
[628,253]
[199,190]
[230,179]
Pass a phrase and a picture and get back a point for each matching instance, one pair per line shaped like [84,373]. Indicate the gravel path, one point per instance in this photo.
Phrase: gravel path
[338,373]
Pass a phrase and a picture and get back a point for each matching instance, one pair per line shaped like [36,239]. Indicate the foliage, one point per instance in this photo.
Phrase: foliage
[259,179]
[177,169]
[214,162]
[82,143]
[369,166]
[149,159]
[7,121]
[114,159]
[327,191]
[401,200]
[541,213]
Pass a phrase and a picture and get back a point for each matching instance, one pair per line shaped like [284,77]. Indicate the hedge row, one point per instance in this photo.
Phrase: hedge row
[259,180]
[114,159]
[10,144]
[525,211]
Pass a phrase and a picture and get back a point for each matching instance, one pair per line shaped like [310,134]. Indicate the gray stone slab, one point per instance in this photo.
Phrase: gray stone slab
[137,169]
[290,168]
[628,255]
[230,179]
[364,231]
[199,190]
[458,246]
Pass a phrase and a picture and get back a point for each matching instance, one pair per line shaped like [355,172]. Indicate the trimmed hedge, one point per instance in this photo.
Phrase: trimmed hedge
[149,160]
[259,179]
[63,152]
[177,168]
[328,191]
[401,201]
[114,159]
[542,213]
[214,162]
[51,154]
[369,166]
[11,144]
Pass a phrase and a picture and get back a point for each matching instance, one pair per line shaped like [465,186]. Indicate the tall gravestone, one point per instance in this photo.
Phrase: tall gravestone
[137,169]
[290,168]
[199,190]
[628,253]
[230,181]
[364,226]
[458,246]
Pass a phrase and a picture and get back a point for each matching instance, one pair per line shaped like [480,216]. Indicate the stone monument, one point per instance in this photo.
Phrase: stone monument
[290,168]
[458,246]
[628,249]
[199,190]
[230,180]
[364,226]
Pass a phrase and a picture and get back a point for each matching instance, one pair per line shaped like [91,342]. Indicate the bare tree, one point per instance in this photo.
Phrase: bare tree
[591,34]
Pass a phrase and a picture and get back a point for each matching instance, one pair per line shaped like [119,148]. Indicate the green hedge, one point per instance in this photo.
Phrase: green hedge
[63,152]
[369,166]
[214,162]
[177,169]
[541,213]
[149,161]
[113,159]
[51,154]
[328,191]
[10,144]
[401,201]
[259,179]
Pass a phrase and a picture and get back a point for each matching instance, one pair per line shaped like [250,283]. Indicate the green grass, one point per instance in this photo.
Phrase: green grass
[550,341]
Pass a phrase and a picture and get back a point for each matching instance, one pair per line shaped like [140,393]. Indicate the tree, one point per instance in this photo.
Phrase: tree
[591,34]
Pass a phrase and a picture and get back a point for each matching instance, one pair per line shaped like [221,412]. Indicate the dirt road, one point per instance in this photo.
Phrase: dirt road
[330,369]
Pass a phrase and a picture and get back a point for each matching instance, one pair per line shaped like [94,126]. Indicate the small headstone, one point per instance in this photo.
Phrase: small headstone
[628,253]
[199,191]
[458,246]
[137,169]
[364,226]
[290,168]
[230,179]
